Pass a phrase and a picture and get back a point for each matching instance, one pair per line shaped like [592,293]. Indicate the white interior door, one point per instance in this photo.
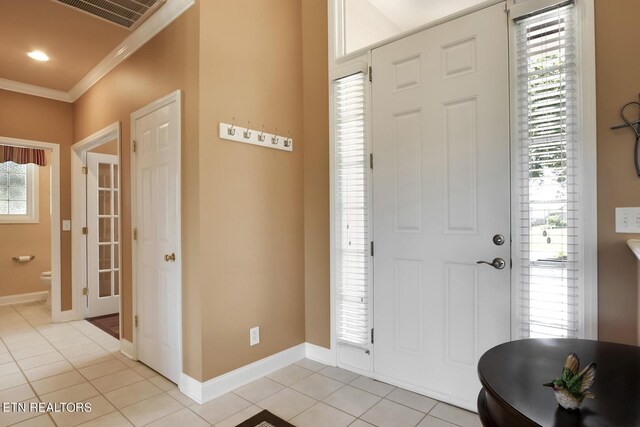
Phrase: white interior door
[103,240]
[157,220]
[441,192]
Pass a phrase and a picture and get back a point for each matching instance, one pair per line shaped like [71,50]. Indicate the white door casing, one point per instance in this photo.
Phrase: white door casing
[441,191]
[103,239]
[156,131]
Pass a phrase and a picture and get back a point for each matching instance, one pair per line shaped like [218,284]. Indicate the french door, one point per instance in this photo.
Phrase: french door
[441,203]
[103,239]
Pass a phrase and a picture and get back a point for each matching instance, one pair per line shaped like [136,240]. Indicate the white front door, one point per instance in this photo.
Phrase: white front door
[156,131]
[103,239]
[441,194]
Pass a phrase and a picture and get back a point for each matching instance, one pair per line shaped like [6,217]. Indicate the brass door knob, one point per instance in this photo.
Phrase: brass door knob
[170,258]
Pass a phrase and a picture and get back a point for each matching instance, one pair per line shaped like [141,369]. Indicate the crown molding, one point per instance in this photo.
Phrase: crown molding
[34,90]
[171,10]
[145,32]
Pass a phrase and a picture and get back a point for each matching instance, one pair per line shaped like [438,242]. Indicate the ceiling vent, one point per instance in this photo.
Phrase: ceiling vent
[124,13]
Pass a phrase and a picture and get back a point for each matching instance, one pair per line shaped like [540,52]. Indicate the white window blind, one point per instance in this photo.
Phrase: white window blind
[351,213]
[548,267]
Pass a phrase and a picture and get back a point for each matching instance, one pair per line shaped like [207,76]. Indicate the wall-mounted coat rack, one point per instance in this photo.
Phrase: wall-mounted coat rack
[255,137]
[635,126]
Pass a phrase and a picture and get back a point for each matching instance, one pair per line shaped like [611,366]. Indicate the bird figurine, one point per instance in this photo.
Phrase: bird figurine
[573,386]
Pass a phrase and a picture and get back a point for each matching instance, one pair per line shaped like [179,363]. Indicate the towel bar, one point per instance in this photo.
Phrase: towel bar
[23,258]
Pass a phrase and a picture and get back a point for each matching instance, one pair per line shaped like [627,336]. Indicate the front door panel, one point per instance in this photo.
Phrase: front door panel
[441,192]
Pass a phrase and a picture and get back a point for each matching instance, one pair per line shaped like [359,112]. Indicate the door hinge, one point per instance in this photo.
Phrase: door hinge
[372,248]
[135,234]
[85,230]
[372,329]
[85,170]
[370,74]
[85,291]
[135,146]
[371,160]
[135,320]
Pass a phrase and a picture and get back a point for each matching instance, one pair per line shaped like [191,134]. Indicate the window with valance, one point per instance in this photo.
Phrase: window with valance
[19,183]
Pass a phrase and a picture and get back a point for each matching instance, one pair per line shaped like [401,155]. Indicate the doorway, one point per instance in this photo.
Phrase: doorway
[156,202]
[441,204]
[96,229]
[53,277]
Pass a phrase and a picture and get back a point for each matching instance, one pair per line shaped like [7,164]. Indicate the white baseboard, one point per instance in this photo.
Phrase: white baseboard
[126,348]
[23,298]
[321,354]
[191,388]
[215,387]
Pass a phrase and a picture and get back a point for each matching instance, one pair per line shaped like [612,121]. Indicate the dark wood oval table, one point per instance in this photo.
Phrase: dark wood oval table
[512,375]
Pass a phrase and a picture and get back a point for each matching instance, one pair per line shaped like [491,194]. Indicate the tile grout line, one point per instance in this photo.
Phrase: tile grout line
[37,396]
[83,332]
[118,410]
[120,388]
[424,414]
[72,365]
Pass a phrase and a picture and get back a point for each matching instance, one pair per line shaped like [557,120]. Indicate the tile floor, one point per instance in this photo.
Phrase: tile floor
[77,362]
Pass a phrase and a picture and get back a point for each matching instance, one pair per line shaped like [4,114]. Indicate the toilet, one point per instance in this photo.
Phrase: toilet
[45,278]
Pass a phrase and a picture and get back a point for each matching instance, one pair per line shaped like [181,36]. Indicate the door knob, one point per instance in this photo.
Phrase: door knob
[497,263]
[170,258]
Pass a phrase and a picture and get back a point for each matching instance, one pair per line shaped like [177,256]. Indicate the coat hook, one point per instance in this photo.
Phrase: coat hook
[274,139]
[231,131]
[287,141]
[247,133]
[261,136]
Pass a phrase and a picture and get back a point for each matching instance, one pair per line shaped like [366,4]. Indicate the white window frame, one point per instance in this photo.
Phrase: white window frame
[588,319]
[337,31]
[33,206]
[340,354]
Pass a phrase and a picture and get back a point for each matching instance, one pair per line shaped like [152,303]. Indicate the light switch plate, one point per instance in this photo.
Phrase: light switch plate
[66,225]
[628,220]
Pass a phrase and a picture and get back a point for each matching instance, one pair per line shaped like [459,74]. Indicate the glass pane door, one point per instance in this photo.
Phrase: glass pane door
[108,239]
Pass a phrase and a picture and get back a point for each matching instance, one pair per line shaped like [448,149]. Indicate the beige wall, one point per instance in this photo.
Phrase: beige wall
[166,63]
[618,79]
[110,147]
[28,239]
[365,25]
[316,170]
[251,198]
[243,207]
[39,119]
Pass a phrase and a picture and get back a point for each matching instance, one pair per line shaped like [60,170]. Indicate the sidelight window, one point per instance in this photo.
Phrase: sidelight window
[352,206]
[548,249]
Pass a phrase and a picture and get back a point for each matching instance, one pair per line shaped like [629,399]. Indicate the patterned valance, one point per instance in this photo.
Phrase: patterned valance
[22,156]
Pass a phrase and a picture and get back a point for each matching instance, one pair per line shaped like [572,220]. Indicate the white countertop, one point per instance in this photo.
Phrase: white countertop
[634,245]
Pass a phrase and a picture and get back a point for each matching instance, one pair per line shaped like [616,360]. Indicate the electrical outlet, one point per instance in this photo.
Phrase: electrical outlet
[254,336]
[66,225]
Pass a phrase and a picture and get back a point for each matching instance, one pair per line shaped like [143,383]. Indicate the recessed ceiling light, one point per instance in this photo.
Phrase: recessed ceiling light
[38,55]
